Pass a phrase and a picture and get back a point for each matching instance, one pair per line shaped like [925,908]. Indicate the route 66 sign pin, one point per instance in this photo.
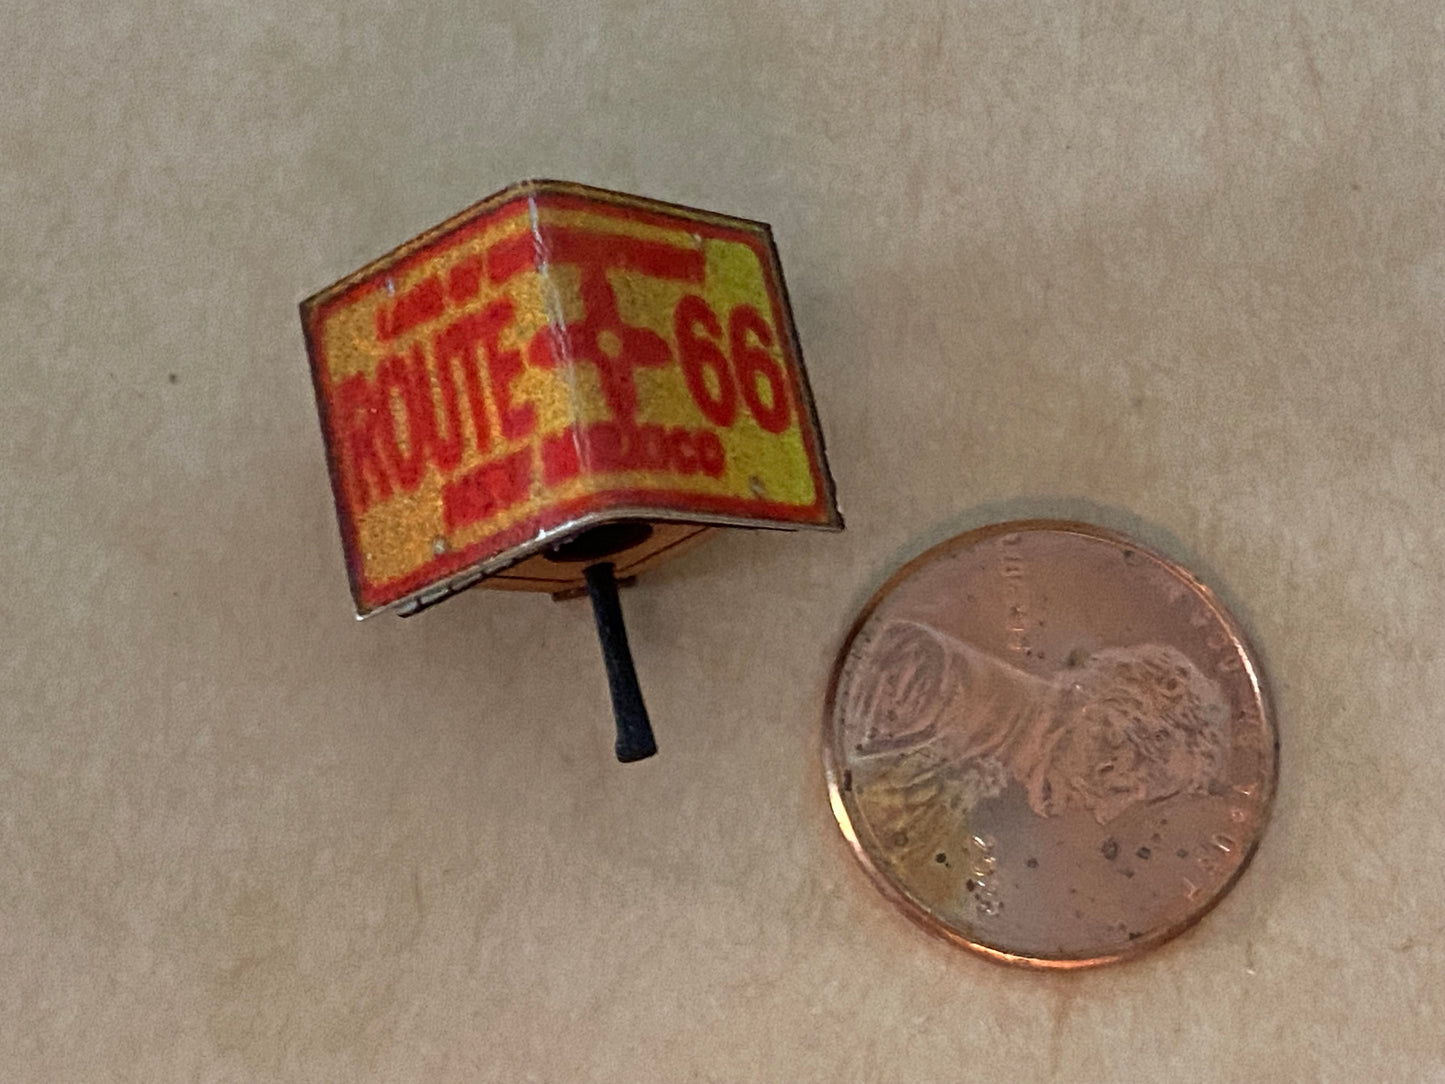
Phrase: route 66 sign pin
[557,389]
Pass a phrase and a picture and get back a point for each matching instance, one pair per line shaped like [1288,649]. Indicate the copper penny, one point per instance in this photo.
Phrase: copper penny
[1050,744]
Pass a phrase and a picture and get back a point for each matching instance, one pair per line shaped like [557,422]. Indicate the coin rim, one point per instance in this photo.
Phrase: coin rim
[843,802]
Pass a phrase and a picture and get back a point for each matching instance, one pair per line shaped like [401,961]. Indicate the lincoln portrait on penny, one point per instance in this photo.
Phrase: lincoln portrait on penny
[1118,726]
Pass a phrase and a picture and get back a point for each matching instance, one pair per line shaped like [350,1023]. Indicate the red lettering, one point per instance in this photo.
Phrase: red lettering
[505,366]
[361,428]
[464,280]
[511,257]
[710,454]
[421,303]
[611,447]
[455,347]
[560,462]
[650,442]
[395,381]
[412,414]
[701,358]
[428,440]
[489,489]
[682,452]
[443,440]
[754,361]
[606,447]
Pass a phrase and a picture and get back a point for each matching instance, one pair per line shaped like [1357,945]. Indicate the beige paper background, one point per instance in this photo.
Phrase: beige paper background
[1175,268]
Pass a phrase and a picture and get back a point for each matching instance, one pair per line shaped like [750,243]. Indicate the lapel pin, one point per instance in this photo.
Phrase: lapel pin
[557,390]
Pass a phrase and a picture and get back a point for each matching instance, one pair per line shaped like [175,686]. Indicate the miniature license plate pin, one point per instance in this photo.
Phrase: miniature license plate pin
[557,390]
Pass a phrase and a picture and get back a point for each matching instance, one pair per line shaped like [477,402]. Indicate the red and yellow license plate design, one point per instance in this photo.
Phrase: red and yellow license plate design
[558,355]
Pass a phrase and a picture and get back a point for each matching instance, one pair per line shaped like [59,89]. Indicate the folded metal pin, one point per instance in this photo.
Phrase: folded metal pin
[557,390]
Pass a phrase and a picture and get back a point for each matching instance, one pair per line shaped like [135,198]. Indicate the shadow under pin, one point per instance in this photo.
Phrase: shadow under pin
[634,730]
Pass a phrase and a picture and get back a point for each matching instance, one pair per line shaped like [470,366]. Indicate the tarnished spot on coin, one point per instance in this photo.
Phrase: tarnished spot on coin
[1050,744]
